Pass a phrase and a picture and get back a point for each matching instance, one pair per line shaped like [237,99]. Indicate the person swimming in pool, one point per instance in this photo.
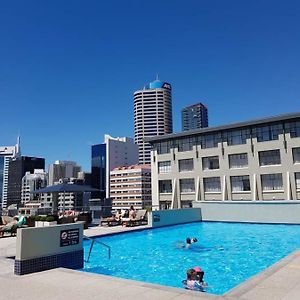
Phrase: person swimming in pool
[190,241]
[187,244]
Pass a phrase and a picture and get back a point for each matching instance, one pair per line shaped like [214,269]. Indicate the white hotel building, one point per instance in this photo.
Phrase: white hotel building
[248,161]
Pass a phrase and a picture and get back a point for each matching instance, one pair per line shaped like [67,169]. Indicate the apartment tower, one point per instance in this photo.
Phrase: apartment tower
[194,116]
[152,115]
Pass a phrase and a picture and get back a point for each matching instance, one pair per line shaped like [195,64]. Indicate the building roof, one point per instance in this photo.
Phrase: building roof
[132,167]
[200,104]
[188,133]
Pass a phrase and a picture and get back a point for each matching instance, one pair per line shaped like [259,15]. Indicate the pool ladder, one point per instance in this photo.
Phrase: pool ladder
[92,244]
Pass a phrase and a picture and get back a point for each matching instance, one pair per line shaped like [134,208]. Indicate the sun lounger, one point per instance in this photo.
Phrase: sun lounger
[110,221]
[138,220]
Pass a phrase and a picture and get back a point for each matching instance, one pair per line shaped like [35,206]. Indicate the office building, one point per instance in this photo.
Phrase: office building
[249,161]
[17,169]
[152,115]
[105,157]
[31,182]
[62,169]
[131,186]
[6,154]
[194,116]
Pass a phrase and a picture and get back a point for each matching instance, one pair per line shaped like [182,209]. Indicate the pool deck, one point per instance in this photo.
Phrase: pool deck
[281,281]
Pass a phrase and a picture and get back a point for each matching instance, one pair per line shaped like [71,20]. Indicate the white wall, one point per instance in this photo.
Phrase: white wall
[36,242]
[173,216]
[257,212]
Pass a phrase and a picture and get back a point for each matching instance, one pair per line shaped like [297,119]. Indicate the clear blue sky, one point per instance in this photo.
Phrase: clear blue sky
[68,69]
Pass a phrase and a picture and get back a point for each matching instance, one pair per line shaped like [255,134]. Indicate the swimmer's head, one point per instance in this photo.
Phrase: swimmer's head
[188,241]
[194,240]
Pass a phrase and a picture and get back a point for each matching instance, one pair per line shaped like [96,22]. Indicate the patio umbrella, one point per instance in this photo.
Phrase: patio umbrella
[65,188]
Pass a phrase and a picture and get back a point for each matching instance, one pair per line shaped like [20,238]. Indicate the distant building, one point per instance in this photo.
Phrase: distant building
[131,186]
[17,169]
[6,154]
[105,157]
[32,182]
[194,116]
[70,201]
[62,169]
[152,115]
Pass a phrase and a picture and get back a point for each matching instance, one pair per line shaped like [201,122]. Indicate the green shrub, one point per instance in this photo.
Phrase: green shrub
[43,218]
[37,218]
[50,219]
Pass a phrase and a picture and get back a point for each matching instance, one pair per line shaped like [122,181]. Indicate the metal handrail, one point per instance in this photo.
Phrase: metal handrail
[92,244]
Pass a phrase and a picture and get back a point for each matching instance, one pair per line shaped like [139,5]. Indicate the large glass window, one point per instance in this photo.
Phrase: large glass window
[238,137]
[294,129]
[186,165]
[187,185]
[271,157]
[185,144]
[296,155]
[239,160]
[210,140]
[165,186]
[163,147]
[210,163]
[297,178]
[268,132]
[164,167]
[271,182]
[212,184]
[240,183]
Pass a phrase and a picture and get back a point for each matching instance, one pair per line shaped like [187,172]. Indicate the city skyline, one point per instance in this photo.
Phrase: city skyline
[68,72]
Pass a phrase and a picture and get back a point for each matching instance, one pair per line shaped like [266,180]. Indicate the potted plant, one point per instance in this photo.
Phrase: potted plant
[49,221]
[38,222]
[41,221]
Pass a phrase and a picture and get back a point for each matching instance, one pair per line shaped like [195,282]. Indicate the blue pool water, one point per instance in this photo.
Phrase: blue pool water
[229,253]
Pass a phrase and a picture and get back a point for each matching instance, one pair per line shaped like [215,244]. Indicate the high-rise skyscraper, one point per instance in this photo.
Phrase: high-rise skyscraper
[17,169]
[6,154]
[194,116]
[152,115]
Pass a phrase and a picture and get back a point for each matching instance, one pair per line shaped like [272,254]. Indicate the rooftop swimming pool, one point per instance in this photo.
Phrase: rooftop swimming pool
[229,253]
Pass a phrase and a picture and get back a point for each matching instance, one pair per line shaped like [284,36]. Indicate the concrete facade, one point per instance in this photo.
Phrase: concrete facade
[131,186]
[249,161]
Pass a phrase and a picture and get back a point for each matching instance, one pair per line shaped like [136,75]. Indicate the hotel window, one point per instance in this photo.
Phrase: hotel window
[210,163]
[210,140]
[186,165]
[296,155]
[267,158]
[165,186]
[293,128]
[297,179]
[212,184]
[163,147]
[185,144]
[240,183]
[164,167]
[238,160]
[238,137]
[271,182]
[187,185]
[268,133]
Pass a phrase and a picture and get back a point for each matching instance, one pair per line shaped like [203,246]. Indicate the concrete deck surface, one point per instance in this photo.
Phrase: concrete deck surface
[281,281]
